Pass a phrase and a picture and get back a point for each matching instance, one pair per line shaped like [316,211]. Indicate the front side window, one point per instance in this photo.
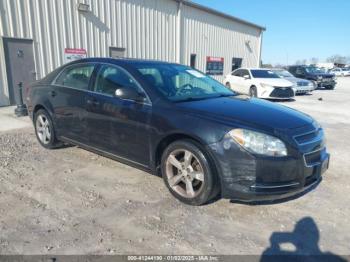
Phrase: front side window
[245,73]
[76,77]
[238,73]
[111,78]
[178,83]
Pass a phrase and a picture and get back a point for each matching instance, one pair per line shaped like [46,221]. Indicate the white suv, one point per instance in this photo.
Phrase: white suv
[262,83]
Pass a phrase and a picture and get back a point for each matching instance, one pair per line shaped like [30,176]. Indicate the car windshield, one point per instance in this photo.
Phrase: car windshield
[258,73]
[314,70]
[181,83]
[283,73]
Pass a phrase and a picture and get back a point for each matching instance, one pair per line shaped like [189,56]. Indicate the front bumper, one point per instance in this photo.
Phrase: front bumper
[304,89]
[247,177]
[277,93]
[326,82]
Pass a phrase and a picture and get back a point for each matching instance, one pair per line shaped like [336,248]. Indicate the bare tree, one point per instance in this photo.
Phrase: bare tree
[337,59]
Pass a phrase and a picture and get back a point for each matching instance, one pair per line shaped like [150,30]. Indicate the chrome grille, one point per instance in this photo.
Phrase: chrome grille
[307,137]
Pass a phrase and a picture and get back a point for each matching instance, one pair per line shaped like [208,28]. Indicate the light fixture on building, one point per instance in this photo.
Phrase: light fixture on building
[83,7]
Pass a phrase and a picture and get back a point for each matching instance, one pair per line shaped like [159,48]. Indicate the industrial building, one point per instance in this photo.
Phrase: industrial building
[37,36]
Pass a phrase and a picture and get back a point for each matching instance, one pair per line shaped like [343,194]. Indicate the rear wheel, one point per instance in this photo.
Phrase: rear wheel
[44,130]
[187,173]
[253,91]
[228,85]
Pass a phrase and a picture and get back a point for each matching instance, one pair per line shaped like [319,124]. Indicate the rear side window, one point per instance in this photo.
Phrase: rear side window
[76,77]
[111,78]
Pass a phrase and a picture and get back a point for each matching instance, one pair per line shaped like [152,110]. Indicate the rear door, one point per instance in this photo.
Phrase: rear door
[68,98]
[117,126]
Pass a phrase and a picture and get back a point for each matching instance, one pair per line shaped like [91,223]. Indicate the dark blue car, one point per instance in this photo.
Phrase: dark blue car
[173,120]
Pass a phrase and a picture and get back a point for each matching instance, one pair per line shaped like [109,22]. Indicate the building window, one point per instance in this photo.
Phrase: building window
[193,60]
[236,63]
[117,52]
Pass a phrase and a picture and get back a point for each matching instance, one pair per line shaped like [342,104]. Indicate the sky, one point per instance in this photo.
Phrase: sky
[296,29]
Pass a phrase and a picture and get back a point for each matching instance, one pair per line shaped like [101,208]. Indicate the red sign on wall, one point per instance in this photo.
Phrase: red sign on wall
[215,65]
[72,54]
[215,59]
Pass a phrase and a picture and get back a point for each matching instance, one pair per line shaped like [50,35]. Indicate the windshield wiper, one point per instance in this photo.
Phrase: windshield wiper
[225,95]
[189,99]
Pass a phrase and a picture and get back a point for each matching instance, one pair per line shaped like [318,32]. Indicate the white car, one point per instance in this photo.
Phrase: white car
[261,83]
[340,71]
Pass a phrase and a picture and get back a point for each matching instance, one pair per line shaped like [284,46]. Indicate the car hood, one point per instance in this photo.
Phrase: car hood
[276,82]
[296,80]
[244,111]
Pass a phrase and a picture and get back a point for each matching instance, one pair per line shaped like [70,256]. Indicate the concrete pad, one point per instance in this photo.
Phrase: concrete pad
[9,121]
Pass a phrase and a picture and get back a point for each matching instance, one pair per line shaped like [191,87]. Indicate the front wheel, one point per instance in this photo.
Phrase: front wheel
[187,173]
[330,87]
[253,92]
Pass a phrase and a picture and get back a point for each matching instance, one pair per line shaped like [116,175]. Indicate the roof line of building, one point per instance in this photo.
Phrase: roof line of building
[219,13]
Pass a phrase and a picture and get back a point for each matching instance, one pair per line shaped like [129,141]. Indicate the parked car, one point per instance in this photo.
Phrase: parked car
[169,119]
[302,86]
[321,78]
[261,83]
[340,71]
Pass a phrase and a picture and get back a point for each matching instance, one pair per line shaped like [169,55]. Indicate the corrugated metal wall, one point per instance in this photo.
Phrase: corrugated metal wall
[146,28]
[206,34]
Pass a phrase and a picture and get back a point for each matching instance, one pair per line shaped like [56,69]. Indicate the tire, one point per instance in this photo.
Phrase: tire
[44,130]
[253,92]
[180,175]
[228,85]
[330,87]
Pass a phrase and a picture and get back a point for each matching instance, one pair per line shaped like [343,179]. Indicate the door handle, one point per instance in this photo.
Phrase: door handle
[53,93]
[92,102]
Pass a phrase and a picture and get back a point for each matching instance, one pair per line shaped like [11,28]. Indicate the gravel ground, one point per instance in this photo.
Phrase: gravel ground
[70,201]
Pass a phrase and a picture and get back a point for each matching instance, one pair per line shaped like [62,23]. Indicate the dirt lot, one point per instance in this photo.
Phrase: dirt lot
[70,201]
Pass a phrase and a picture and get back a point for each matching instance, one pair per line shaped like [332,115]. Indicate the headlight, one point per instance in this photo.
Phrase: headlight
[265,85]
[259,143]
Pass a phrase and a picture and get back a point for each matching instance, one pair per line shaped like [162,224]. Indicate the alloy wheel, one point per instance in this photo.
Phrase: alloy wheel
[43,129]
[184,173]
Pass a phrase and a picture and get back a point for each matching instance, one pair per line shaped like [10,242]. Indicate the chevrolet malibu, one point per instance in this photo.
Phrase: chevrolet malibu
[172,120]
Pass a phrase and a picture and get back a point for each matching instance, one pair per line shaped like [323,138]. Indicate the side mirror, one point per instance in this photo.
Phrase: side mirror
[246,77]
[130,94]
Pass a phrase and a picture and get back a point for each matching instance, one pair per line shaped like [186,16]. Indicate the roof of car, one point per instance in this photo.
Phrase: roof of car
[119,61]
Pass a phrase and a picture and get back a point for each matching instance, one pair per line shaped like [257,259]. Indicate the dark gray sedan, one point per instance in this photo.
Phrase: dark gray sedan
[302,86]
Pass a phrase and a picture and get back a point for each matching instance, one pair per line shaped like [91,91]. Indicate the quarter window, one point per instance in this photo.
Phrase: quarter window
[109,79]
[76,77]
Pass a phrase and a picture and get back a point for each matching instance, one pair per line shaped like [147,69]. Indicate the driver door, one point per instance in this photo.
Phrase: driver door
[117,126]
[245,82]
